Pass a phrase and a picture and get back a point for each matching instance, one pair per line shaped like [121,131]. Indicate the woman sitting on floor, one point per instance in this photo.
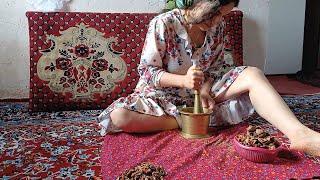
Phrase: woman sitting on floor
[195,30]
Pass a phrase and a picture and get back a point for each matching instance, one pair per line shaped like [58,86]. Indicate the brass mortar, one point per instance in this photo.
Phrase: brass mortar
[195,126]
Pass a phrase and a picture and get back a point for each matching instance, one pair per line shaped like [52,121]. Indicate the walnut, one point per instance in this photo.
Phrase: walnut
[257,137]
[144,171]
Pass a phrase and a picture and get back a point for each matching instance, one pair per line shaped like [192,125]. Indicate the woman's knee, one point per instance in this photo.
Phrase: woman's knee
[254,71]
[254,74]
[120,118]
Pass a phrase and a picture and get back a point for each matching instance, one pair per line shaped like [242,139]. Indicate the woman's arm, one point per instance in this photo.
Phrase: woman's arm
[172,80]
[192,80]
[151,65]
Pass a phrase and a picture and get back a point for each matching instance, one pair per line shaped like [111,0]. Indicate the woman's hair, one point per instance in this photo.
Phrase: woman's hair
[224,2]
[183,4]
[207,6]
[200,10]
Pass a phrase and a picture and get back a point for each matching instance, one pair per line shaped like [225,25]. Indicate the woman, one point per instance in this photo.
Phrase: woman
[167,79]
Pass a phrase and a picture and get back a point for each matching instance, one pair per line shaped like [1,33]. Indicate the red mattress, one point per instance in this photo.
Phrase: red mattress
[70,68]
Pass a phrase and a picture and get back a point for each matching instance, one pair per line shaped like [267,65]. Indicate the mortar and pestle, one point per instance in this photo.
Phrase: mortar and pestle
[195,120]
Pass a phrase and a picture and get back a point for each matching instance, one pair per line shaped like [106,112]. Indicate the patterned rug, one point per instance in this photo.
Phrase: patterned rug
[67,145]
[53,145]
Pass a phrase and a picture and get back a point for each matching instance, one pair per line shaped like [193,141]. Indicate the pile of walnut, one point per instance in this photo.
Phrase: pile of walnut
[256,137]
[144,171]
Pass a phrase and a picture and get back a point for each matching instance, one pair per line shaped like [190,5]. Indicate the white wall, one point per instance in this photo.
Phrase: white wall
[264,47]
[255,26]
[285,36]
[273,34]
[14,56]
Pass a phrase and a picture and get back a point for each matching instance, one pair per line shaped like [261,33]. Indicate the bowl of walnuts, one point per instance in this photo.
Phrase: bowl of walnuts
[256,145]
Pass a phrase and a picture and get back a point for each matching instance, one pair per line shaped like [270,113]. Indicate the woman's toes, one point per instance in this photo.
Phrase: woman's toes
[309,145]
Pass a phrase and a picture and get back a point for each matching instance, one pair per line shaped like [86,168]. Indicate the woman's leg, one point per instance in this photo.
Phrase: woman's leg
[130,121]
[269,105]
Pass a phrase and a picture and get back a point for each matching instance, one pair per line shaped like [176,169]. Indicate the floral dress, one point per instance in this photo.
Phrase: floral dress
[168,48]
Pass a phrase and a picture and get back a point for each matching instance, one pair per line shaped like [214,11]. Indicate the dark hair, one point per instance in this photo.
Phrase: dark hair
[225,2]
[171,4]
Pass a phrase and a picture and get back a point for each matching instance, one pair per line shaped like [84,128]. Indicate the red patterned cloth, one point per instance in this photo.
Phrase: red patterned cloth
[211,158]
[88,60]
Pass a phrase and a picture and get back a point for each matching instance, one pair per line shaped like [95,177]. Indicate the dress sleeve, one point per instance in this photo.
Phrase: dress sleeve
[151,64]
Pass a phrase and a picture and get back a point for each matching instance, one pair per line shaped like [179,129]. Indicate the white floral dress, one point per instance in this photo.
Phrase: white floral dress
[167,48]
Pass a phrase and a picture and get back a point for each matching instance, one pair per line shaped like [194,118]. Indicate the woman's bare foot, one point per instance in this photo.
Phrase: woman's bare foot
[307,141]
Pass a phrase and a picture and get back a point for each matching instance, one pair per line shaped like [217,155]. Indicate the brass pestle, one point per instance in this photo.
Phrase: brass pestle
[195,120]
[197,106]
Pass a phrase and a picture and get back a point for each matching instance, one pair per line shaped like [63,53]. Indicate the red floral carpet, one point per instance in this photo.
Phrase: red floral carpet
[66,145]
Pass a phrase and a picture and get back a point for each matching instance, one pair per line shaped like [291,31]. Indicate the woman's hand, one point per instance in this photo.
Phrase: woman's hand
[207,101]
[193,79]
[206,98]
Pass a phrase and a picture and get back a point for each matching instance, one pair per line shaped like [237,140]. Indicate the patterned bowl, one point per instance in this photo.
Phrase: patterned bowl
[256,154]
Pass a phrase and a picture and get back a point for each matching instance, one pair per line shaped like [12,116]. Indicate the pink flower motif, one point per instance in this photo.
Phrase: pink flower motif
[82,50]
[66,85]
[95,74]
[72,81]
[63,63]
[100,64]
[92,81]
[98,86]
[62,80]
